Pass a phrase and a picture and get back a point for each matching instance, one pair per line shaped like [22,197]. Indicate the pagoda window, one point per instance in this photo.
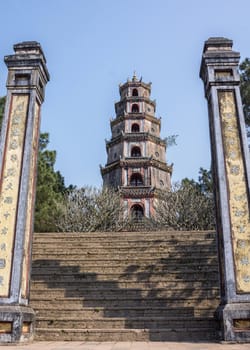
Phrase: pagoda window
[135,108]
[135,92]
[135,128]
[136,180]
[136,152]
[137,212]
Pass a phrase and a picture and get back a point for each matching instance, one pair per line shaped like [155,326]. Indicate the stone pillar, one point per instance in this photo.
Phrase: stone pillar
[231,170]
[27,77]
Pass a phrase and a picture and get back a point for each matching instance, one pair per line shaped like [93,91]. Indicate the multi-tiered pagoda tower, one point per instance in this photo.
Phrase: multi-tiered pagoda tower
[136,162]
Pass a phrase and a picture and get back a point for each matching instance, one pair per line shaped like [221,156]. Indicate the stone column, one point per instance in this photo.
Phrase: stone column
[27,77]
[231,170]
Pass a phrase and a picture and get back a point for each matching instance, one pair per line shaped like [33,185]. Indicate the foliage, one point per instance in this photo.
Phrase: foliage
[245,88]
[91,209]
[205,182]
[187,206]
[171,140]
[50,188]
[2,105]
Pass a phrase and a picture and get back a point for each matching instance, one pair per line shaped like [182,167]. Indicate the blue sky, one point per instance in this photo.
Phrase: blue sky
[93,45]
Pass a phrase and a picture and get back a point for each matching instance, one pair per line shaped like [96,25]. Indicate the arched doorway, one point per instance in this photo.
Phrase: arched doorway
[135,128]
[136,180]
[135,92]
[136,152]
[135,108]
[137,212]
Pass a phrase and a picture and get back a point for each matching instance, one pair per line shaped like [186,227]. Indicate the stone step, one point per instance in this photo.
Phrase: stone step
[131,323]
[101,335]
[121,244]
[120,294]
[106,269]
[124,259]
[78,272]
[46,301]
[100,254]
[112,278]
[81,259]
[81,290]
[85,313]
[132,262]
[136,246]
[125,283]
[125,235]
[118,252]
[111,247]
[124,244]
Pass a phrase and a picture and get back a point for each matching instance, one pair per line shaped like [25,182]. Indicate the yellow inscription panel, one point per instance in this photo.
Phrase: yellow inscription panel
[9,186]
[5,327]
[30,204]
[237,189]
[26,327]
[242,324]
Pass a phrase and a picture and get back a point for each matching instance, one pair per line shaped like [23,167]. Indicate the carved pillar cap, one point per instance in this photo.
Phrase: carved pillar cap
[29,47]
[217,50]
[27,54]
[218,55]
[218,44]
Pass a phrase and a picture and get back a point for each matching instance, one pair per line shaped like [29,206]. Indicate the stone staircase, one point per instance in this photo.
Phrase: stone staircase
[126,286]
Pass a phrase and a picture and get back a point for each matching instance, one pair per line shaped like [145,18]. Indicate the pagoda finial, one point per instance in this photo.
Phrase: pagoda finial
[134,77]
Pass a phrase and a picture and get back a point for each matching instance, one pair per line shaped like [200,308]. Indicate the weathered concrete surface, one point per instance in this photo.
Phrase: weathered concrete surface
[231,174]
[129,286]
[27,77]
[128,346]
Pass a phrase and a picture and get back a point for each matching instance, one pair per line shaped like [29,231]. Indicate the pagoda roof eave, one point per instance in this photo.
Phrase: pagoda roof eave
[136,83]
[136,137]
[137,162]
[135,116]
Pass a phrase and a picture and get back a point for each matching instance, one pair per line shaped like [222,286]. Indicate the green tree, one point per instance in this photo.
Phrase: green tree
[245,91]
[205,182]
[2,105]
[50,188]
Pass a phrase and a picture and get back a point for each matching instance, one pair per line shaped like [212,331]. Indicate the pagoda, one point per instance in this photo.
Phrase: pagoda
[136,154]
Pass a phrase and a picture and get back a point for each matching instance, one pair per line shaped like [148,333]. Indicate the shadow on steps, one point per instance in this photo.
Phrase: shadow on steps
[172,297]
